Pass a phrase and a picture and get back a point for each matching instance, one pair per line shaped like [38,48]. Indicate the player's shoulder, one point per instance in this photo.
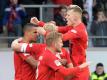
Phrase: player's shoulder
[38,44]
[48,54]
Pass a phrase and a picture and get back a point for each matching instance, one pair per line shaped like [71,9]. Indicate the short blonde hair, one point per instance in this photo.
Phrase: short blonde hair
[75,8]
[49,27]
[52,37]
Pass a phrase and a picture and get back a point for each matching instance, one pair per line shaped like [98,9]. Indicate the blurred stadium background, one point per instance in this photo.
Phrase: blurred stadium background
[45,10]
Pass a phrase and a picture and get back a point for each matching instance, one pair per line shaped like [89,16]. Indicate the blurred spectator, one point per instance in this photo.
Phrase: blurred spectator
[97,5]
[62,2]
[1,26]
[99,73]
[13,15]
[32,11]
[2,6]
[88,7]
[85,17]
[79,3]
[59,17]
[60,20]
[99,28]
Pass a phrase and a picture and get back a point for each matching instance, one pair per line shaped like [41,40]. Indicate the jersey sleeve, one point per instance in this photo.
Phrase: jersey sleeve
[41,23]
[61,29]
[53,63]
[64,29]
[33,48]
[71,34]
[24,56]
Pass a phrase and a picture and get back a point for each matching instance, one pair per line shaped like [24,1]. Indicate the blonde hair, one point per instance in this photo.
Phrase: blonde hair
[52,37]
[49,27]
[75,8]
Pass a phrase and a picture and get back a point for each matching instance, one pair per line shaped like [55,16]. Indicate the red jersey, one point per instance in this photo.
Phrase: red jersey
[23,70]
[79,39]
[35,48]
[48,65]
[65,55]
[62,55]
[39,49]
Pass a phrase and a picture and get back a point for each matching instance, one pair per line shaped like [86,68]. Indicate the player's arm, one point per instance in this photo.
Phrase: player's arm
[64,29]
[61,29]
[22,47]
[29,59]
[16,46]
[32,61]
[54,64]
[71,34]
[71,71]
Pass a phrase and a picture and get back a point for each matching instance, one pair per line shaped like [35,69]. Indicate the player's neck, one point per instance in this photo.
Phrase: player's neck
[51,49]
[26,39]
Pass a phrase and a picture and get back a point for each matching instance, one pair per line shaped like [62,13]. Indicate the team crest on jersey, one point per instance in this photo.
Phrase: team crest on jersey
[57,63]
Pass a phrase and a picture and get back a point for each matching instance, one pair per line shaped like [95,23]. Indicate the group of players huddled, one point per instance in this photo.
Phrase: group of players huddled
[50,60]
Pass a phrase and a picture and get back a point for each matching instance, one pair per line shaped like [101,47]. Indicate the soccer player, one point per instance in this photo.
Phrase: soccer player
[49,64]
[25,64]
[76,33]
[79,40]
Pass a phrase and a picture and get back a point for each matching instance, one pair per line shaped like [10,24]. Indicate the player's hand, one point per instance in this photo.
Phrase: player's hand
[41,30]
[34,20]
[53,22]
[63,61]
[84,65]
[15,43]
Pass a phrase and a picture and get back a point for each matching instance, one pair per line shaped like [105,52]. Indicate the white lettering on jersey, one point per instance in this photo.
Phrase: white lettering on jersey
[73,31]
[26,54]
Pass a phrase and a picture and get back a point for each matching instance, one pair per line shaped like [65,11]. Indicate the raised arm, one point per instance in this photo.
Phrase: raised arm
[61,29]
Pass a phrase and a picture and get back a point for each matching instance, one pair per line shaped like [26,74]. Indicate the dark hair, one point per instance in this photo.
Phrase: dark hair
[99,64]
[28,26]
[84,12]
